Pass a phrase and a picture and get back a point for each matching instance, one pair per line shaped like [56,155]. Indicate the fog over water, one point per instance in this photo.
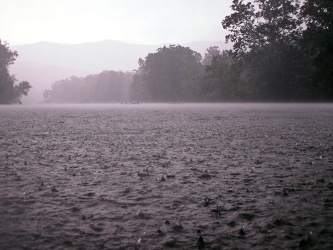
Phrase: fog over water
[159,176]
[205,107]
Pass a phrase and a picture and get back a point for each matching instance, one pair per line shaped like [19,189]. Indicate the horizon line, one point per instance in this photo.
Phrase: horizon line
[118,41]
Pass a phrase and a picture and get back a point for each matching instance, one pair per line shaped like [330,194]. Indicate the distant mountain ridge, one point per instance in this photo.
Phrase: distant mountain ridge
[43,63]
[97,56]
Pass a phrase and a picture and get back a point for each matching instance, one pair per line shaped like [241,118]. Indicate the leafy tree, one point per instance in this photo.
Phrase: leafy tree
[220,80]
[254,25]
[210,54]
[47,95]
[7,57]
[108,86]
[139,90]
[21,89]
[318,43]
[9,91]
[278,72]
[266,36]
[171,74]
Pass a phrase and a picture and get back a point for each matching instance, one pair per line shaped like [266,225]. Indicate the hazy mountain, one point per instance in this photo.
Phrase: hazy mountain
[44,63]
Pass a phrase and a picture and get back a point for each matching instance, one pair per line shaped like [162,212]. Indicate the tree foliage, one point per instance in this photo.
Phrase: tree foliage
[210,54]
[318,43]
[263,22]
[218,83]
[21,89]
[171,74]
[106,87]
[9,91]
[282,51]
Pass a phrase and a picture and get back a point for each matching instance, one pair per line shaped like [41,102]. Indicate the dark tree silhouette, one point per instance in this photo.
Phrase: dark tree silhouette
[211,52]
[318,43]
[268,50]
[9,91]
[172,74]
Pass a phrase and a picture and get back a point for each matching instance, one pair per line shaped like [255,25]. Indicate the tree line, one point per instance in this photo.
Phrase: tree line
[10,91]
[282,51]
[108,86]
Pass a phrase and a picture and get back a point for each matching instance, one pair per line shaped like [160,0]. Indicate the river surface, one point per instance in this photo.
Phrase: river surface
[139,176]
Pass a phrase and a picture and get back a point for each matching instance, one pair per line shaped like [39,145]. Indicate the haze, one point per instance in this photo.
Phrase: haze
[146,25]
[143,22]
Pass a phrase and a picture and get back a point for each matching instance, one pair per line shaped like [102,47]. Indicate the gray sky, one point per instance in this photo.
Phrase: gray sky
[132,21]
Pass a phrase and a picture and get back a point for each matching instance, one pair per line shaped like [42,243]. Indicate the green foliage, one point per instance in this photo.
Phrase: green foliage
[9,91]
[108,86]
[171,74]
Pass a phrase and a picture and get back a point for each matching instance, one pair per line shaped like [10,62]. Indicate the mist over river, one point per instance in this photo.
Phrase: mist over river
[159,176]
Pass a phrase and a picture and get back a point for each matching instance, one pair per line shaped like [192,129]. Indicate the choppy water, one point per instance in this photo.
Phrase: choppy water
[241,176]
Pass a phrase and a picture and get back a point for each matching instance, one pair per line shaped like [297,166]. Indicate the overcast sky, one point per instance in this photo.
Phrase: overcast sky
[132,21]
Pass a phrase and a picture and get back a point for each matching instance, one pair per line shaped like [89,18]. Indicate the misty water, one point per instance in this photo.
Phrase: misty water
[139,176]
